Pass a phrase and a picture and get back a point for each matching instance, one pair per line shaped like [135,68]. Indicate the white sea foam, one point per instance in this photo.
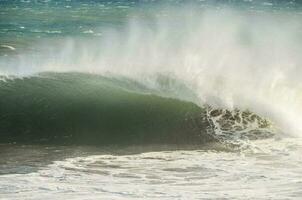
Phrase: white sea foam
[271,172]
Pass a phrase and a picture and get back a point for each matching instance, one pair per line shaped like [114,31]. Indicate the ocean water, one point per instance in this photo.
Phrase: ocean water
[150,99]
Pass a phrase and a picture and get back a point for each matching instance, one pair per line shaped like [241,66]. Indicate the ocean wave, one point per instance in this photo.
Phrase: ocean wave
[78,108]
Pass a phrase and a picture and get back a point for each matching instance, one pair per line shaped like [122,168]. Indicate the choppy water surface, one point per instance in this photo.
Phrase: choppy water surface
[271,171]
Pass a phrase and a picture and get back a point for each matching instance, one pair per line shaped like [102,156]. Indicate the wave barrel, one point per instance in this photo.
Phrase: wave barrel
[74,108]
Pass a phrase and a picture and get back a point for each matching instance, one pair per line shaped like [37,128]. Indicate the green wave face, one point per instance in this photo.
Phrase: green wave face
[74,108]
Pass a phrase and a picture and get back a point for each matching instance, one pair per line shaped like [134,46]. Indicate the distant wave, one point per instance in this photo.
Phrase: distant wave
[8,47]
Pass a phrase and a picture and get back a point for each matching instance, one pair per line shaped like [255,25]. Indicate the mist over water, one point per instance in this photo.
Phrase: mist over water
[230,57]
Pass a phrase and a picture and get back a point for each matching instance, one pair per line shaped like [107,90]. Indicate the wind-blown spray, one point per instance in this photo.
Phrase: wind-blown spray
[230,59]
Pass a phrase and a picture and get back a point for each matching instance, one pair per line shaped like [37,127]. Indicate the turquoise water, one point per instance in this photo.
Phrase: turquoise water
[24,23]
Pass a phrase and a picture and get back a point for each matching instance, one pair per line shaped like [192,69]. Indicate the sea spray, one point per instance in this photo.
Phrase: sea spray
[229,58]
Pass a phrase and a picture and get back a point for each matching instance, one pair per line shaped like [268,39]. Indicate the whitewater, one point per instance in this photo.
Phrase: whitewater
[150,99]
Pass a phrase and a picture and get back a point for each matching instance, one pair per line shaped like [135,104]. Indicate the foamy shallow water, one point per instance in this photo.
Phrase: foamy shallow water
[271,170]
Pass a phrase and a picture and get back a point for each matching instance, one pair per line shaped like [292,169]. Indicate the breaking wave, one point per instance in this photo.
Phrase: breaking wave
[169,76]
[77,108]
